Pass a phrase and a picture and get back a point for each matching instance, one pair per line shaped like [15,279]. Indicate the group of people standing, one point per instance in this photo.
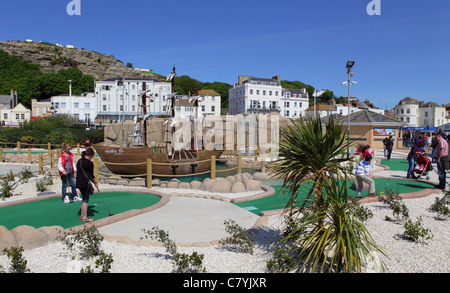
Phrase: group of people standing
[439,145]
[79,175]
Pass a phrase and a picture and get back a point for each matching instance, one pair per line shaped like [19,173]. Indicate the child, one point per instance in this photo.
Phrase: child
[363,150]
[67,169]
[362,175]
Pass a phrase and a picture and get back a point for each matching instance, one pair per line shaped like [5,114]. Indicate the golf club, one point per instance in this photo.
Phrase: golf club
[109,213]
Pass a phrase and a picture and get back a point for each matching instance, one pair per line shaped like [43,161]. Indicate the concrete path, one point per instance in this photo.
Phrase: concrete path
[188,220]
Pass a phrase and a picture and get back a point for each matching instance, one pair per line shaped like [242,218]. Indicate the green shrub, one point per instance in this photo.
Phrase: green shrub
[416,231]
[18,262]
[239,237]
[183,263]
[440,206]
[87,241]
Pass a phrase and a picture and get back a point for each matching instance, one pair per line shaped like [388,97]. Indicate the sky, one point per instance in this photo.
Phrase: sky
[403,52]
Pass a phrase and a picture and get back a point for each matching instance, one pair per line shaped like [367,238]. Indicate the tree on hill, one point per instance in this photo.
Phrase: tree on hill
[31,83]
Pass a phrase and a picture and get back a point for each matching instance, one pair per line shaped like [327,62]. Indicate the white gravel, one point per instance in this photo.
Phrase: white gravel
[403,255]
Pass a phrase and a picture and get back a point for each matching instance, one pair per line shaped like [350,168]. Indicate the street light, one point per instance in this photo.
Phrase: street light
[349,84]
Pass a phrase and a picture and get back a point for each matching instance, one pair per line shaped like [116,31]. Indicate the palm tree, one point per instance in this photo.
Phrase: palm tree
[310,155]
[340,244]
[331,233]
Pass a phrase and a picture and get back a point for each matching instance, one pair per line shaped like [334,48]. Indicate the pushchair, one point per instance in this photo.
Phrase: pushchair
[423,166]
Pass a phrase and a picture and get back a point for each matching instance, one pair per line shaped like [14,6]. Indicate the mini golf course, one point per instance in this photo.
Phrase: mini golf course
[396,164]
[53,212]
[279,199]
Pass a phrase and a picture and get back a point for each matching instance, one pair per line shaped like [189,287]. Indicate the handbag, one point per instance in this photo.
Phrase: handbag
[91,187]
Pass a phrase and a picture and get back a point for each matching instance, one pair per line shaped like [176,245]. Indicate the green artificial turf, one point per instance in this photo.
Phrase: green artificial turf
[53,212]
[279,199]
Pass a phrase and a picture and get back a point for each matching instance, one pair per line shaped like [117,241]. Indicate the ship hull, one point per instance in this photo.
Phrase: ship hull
[133,160]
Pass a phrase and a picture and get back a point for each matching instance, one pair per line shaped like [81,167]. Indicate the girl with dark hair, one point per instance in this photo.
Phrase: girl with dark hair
[85,179]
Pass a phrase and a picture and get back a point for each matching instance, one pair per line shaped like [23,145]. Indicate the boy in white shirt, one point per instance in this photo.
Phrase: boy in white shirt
[362,175]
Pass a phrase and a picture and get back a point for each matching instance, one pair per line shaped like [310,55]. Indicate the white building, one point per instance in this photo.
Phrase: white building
[407,111]
[13,117]
[265,95]
[187,107]
[115,101]
[210,102]
[294,103]
[419,114]
[432,115]
[82,107]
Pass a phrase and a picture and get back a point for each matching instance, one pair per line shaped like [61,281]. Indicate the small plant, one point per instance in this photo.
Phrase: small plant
[183,263]
[395,202]
[239,236]
[415,231]
[9,177]
[363,213]
[7,187]
[281,262]
[25,175]
[440,206]
[87,241]
[43,183]
[18,263]
[104,262]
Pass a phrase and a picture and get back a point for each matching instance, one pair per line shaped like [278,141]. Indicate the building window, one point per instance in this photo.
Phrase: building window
[408,111]
[251,92]
[87,105]
[213,108]
[104,107]
[76,105]
[17,116]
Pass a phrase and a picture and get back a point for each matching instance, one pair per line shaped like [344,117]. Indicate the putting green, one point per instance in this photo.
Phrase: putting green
[53,212]
[279,199]
[396,164]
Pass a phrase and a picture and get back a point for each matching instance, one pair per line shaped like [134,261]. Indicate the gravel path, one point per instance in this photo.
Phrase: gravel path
[404,256]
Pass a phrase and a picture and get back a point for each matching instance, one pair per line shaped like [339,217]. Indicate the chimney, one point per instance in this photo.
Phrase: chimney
[277,78]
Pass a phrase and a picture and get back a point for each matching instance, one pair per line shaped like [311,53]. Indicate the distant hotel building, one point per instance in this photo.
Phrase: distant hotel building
[420,114]
[115,101]
[266,95]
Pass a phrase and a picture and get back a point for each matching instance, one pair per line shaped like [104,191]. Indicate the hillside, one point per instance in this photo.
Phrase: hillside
[51,59]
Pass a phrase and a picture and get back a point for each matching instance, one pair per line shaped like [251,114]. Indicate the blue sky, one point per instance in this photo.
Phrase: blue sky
[403,52]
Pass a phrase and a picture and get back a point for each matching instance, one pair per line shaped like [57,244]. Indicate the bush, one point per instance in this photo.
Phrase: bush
[239,237]
[87,241]
[416,232]
[183,263]
[18,263]
[395,202]
[440,206]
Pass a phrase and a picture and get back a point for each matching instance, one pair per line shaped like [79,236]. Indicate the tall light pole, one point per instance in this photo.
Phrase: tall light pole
[349,83]
[315,95]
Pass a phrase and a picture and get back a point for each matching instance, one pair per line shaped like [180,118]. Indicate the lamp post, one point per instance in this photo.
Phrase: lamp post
[349,83]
